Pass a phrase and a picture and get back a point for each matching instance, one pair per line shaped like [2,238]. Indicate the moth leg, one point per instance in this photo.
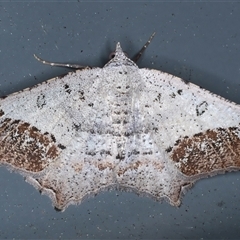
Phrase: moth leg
[139,54]
[61,64]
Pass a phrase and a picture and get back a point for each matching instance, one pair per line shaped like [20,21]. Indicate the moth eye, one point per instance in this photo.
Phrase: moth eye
[113,54]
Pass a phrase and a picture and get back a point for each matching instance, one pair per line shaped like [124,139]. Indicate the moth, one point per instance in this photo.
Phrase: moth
[117,127]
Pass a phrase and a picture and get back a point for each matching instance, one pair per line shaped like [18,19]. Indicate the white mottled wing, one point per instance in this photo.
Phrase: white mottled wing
[189,134]
[199,130]
[50,133]
[117,127]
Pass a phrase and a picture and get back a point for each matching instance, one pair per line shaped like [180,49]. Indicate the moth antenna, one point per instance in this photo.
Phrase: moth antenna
[140,53]
[68,65]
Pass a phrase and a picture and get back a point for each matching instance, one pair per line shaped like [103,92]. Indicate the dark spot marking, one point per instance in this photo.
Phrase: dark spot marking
[147,153]
[77,127]
[53,138]
[179,92]
[90,104]
[201,108]
[169,149]
[127,134]
[91,153]
[135,152]
[158,98]
[120,156]
[1,112]
[41,101]
[61,146]
[67,89]
[104,152]
[81,95]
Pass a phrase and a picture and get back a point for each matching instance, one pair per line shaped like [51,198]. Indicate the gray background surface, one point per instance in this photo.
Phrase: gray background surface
[197,41]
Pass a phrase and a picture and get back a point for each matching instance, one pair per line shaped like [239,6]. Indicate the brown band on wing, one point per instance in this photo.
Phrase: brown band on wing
[24,146]
[136,165]
[205,152]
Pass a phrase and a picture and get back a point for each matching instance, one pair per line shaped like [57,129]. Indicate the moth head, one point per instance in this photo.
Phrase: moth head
[119,58]
[117,51]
